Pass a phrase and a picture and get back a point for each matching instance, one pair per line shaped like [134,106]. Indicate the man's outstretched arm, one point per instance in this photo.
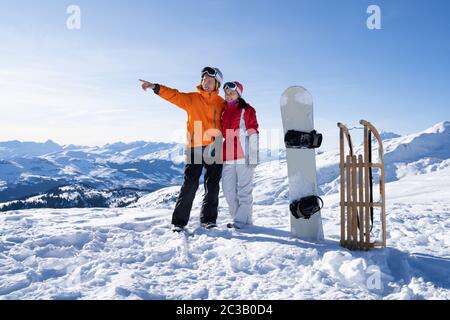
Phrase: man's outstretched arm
[182,100]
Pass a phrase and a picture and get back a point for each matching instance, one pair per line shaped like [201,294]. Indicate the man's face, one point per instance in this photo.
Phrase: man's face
[231,95]
[208,83]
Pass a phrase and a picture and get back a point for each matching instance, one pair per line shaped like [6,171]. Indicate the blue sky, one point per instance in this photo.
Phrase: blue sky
[81,86]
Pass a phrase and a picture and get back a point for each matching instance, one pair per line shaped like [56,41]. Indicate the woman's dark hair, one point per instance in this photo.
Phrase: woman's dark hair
[242,103]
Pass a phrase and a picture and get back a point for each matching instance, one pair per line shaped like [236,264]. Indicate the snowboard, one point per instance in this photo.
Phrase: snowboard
[297,110]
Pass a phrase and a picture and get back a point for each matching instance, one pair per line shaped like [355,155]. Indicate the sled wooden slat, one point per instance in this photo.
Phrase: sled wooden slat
[378,245]
[370,165]
[371,204]
[342,168]
[354,206]
[349,206]
[360,204]
[367,184]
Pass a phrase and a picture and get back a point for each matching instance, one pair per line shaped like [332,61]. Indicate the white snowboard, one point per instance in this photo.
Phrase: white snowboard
[297,111]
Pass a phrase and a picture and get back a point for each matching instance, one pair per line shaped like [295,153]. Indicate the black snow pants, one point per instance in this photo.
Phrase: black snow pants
[195,163]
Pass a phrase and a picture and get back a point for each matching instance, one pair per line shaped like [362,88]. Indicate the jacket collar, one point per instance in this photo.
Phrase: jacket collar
[232,104]
[207,95]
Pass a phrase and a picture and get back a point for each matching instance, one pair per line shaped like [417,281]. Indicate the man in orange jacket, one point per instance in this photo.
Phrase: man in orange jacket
[204,110]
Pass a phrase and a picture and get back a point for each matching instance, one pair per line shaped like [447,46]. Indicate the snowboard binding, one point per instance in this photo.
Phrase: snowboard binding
[306,207]
[303,140]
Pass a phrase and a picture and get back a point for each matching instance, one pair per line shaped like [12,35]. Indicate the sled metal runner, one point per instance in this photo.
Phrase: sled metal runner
[356,190]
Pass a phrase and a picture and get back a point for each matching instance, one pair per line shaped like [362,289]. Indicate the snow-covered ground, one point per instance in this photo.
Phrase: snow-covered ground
[130,253]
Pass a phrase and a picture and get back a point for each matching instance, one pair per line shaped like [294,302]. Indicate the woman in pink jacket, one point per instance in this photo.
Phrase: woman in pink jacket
[240,154]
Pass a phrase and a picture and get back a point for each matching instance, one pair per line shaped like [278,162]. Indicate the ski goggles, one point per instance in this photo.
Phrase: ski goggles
[209,71]
[213,72]
[232,86]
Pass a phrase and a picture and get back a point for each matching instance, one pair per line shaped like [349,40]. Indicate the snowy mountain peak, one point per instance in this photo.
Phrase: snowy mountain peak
[440,128]
[385,135]
[14,149]
[50,142]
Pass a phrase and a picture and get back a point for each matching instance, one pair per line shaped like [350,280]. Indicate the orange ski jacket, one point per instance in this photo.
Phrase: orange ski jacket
[204,111]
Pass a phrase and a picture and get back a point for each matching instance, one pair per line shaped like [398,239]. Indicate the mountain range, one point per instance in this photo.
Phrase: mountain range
[36,175]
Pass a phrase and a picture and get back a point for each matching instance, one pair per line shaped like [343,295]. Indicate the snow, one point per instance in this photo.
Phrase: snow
[130,253]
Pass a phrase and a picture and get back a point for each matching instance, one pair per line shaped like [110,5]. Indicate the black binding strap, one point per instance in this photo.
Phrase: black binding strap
[303,140]
[306,207]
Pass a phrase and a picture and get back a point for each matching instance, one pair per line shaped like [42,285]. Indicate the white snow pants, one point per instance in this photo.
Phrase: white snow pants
[237,185]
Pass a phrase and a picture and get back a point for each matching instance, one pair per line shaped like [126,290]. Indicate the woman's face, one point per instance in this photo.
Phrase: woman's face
[231,95]
[208,83]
